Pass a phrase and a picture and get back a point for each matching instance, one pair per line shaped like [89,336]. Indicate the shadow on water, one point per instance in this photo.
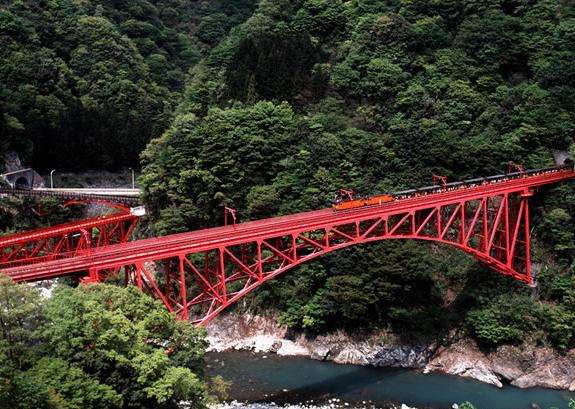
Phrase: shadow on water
[343,384]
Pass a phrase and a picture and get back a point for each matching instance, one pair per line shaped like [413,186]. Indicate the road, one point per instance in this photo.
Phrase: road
[94,191]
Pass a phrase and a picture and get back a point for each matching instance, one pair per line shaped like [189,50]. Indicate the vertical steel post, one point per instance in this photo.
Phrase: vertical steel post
[183,289]
[438,221]
[259,259]
[462,224]
[222,275]
[506,210]
[138,276]
[485,225]
[527,241]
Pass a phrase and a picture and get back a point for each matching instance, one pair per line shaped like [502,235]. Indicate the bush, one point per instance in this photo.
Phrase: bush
[97,346]
[504,319]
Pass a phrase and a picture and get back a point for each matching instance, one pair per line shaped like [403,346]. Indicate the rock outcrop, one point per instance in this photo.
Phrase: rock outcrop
[464,359]
[12,162]
[524,367]
[535,366]
[259,334]
[402,356]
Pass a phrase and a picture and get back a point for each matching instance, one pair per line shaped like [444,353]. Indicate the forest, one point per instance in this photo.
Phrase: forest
[306,97]
[271,106]
[86,84]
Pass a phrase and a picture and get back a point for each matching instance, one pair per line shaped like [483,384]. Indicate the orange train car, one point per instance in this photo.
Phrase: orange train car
[367,201]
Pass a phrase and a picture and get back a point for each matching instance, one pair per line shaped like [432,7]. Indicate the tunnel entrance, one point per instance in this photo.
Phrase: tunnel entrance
[22,183]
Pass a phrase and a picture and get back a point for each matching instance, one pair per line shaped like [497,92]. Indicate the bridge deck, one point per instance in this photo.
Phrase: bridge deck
[211,238]
[63,229]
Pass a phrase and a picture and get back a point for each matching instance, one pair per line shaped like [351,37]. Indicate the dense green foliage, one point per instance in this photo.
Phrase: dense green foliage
[272,108]
[98,346]
[87,84]
[20,214]
[309,96]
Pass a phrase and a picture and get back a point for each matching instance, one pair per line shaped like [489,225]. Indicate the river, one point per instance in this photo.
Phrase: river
[267,378]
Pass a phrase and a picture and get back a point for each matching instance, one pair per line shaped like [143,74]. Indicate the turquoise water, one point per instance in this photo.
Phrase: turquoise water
[300,380]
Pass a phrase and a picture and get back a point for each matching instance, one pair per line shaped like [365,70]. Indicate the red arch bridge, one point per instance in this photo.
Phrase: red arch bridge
[198,274]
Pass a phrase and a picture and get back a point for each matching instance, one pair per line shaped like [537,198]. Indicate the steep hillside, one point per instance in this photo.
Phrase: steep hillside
[309,96]
[85,85]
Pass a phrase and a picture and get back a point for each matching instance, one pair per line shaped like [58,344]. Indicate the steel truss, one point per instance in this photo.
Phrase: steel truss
[66,240]
[494,229]
[200,273]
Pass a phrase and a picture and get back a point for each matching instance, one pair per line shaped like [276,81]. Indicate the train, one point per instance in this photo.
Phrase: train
[341,204]
[363,201]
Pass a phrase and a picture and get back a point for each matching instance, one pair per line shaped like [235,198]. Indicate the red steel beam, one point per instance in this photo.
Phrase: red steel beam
[65,240]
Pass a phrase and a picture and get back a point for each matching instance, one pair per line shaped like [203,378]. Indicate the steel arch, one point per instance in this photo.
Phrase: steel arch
[494,229]
[198,274]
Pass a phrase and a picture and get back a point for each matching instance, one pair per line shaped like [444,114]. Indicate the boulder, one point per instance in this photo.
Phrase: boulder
[320,352]
[464,359]
[290,348]
[351,355]
[277,344]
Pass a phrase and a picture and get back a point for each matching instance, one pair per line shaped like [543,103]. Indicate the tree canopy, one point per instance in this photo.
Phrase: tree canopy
[97,346]
[85,85]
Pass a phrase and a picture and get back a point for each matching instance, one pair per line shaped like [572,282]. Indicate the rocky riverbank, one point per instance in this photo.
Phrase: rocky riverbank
[524,367]
[330,405]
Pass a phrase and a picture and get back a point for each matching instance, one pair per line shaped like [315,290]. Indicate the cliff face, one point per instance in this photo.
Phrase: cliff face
[264,334]
[524,367]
